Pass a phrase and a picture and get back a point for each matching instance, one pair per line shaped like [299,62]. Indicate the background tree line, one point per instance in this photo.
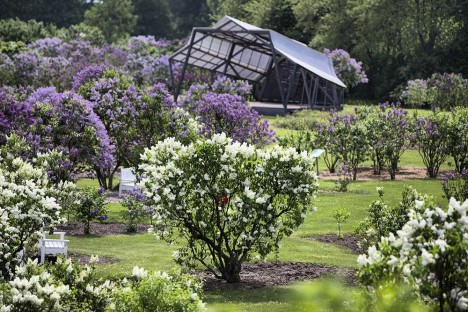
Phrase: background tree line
[397,40]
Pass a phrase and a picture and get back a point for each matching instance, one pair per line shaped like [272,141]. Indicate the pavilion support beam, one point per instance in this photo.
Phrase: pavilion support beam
[184,68]
[291,80]
[278,78]
[228,59]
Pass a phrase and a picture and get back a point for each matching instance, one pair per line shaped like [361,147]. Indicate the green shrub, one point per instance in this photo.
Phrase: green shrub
[158,292]
[382,220]
[429,254]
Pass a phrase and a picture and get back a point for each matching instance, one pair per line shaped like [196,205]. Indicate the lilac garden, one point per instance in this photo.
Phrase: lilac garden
[214,179]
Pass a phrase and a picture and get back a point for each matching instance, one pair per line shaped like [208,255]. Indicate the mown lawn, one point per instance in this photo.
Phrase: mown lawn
[144,250]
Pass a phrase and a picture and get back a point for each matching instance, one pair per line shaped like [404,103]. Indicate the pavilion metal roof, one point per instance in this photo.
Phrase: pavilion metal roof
[238,49]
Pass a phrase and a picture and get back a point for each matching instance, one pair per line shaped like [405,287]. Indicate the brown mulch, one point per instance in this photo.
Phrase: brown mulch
[265,274]
[99,229]
[84,259]
[367,174]
[348,241]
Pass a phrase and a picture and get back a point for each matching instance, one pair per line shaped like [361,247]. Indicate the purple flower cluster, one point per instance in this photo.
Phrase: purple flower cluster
[229,114]
[347,68]
[445,91]
[15,115]
[147,60]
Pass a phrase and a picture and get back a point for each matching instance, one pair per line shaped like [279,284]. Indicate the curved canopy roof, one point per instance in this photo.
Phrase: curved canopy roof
[238,49]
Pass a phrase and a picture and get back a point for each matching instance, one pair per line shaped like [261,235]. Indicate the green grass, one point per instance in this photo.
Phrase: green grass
[145,251]
[130,250]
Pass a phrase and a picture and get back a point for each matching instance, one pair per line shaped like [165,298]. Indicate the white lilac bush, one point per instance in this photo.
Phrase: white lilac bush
[67,286]
[430,253]
[26,210]
[226,199]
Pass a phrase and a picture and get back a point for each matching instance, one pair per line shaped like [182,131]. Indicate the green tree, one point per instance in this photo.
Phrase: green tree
[58,12]
[153,18]
[396,40]
[188,14]
[277,15]
[233,8]
[114,18]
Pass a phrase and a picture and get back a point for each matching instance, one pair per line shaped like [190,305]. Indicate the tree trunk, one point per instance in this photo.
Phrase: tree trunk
[232,272]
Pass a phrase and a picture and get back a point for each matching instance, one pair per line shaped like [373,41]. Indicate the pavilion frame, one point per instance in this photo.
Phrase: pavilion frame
[257,41]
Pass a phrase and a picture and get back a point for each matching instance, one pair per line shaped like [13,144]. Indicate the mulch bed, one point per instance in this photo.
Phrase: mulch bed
[265,274]
[99,229]
[348,241]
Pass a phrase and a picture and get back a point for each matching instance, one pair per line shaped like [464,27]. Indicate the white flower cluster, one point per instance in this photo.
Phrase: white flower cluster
[25,208]
[432,240]
[219,185]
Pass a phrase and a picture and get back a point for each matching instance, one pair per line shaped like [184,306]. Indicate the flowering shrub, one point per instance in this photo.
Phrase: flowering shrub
[444,91]
[63,286]
[226,113]
[136,211]
[382,220]
[67,286]
[431,139]
[158,291]
[66,122]
[458,138]
[223,84]
[347,138]
[90,205]
[15,115]
[416,93]
[395,135]
[344,177]
[455,185]
[347,68]
[26,209]
[324,139]
[430,253]
[158,118]
[222,107]
[235,201]
[147,60]
[133,118]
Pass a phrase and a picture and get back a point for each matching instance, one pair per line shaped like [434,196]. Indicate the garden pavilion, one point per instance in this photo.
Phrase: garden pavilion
[281,69]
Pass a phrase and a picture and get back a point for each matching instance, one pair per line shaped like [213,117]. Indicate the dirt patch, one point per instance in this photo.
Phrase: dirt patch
[99,229]
[264,274]
[367,174]
[348,241]
[84,259]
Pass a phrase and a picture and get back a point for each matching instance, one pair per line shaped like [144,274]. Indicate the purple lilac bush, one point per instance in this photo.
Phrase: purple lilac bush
[147,60]
[444,91]
[431,138]
[229,114]
[66,122]
[347,68]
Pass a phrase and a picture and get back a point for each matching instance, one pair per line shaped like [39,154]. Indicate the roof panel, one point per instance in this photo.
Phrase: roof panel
[212,46]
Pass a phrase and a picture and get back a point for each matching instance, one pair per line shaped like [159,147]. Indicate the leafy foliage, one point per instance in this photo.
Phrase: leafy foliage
[27,209]
[429,253]
[382,220]
[114,18]
[90,204]
[237,199]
